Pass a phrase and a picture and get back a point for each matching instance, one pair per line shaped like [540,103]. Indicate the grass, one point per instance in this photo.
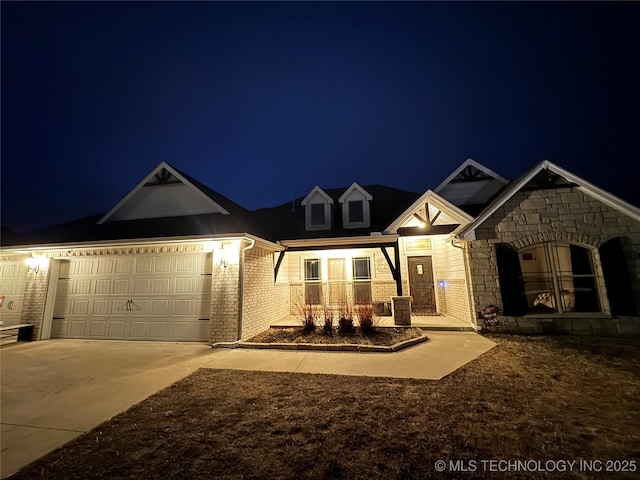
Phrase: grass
[529,398]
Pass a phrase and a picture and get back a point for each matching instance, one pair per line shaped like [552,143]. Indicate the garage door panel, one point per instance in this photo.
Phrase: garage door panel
[140,307]
[98,328]
[82,287]
[203,285]
[142,286]
[161,285]
[181,330]
[59,328]
[199,329]
[160,307]
[184,285]
[120,286]
[157,329]
[138,329]
[106,266]
[124,265]
[103,286]
[164,264]
[80,307]
[100,307]
[78,328]
[185,263]
[202,307]
[83,267]
[119,307]
[182,307]
[144,264]
[62,307]
[116,328]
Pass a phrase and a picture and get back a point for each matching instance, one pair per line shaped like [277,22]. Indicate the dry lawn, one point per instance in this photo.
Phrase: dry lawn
[529,398]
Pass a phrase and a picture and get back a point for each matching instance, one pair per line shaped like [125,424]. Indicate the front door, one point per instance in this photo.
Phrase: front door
[421,285]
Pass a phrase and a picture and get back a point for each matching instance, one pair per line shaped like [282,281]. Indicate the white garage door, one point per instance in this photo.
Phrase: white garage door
[13,280]
[162,297]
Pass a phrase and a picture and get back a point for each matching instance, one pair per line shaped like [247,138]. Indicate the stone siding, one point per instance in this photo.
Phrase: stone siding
[553,215]
[264,300]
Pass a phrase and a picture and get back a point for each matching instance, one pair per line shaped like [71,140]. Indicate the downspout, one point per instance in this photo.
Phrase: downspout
[241,300]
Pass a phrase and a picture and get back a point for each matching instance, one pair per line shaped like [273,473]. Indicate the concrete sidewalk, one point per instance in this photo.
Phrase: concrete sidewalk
[442,354]
[55,390]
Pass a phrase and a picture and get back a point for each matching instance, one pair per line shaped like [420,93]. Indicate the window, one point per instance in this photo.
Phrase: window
[361,281]
[547,278]
[337,281]
[317,214]
[312,285]
[356,211]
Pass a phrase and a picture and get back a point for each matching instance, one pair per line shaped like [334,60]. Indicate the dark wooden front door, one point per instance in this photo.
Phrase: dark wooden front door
[421,285]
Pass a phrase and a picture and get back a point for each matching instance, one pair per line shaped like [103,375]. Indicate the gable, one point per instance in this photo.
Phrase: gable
[165,192]
[430,210]
[546,176]
[470,184]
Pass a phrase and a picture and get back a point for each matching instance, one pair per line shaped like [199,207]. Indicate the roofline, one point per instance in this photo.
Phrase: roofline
[450,208]
[582,185]
[355,186]
[466,163]
[321,192]
[141,184]
[143,241]
[355,241]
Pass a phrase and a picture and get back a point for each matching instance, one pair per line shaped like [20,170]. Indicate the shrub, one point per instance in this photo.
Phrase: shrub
[327,327]
[365,317]
[308,322]
[345,323]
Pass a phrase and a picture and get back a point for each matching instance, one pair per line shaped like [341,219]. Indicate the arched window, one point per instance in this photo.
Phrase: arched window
[551,278]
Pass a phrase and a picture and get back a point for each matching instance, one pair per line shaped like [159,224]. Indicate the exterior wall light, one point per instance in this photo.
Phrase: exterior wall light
[35,263]
[224,256]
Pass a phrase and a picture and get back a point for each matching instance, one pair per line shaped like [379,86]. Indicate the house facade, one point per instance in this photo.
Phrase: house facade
[176,261]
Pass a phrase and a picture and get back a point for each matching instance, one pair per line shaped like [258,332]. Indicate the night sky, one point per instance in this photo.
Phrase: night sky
[261,101]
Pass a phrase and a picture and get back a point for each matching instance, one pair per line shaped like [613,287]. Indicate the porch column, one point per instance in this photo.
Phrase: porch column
[401,310]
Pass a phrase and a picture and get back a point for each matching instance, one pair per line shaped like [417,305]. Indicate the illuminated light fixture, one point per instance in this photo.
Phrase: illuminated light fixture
[422,221]
[35,263]
[441,283]
[224,256]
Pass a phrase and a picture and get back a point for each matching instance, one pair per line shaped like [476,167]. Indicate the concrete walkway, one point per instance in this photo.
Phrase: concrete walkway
[444,353]
[55,390]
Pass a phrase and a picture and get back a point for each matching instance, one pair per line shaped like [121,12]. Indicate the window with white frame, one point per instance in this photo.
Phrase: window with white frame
[317,214]
[356,211]
[336,281]
[361,280]
[312,282]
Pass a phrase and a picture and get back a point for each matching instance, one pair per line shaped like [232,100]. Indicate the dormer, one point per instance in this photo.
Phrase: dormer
[318,210]
[356,210]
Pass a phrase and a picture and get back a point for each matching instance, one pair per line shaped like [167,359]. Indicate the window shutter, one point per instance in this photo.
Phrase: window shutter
[514,301]
[616,278]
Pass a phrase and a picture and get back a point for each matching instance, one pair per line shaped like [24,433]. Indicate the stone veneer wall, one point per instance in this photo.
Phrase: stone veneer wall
[264,300]
[562,214]
[35,298]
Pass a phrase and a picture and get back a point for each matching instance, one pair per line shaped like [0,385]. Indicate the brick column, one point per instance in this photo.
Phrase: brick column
[225,303]
[35,299]
[401,310]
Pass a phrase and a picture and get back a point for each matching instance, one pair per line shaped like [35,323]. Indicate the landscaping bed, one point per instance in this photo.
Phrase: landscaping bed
[529,398]
[381,336]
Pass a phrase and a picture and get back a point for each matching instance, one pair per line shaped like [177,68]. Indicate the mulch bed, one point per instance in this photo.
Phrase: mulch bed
[530,398]
[382,336]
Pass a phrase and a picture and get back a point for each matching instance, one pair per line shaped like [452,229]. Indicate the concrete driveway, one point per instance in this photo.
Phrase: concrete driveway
[54,391]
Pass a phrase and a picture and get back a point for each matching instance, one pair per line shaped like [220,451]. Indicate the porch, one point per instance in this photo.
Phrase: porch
[428,322]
